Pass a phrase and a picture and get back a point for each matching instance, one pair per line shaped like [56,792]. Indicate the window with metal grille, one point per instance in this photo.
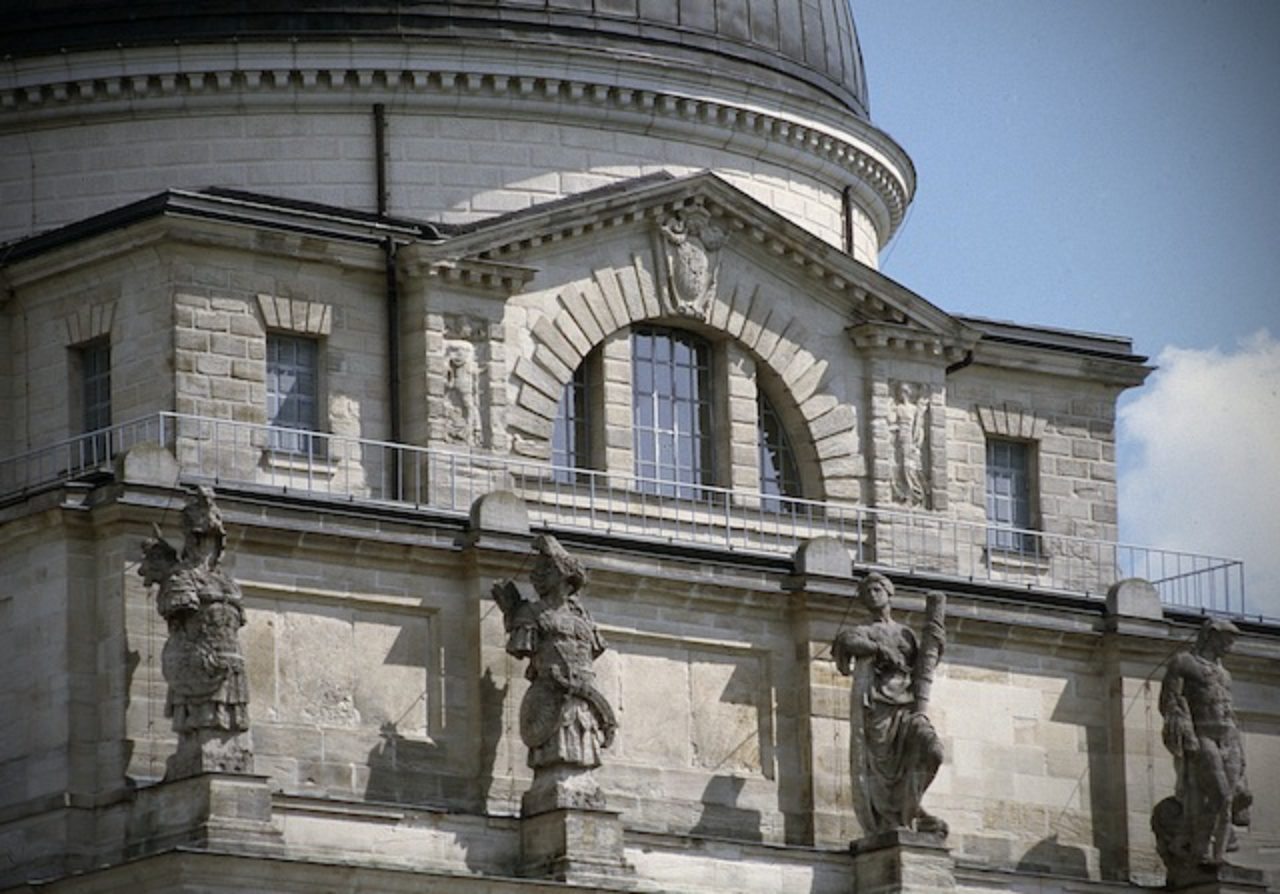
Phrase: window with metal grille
[571,432]
[1009,495]
[293,398]
[779,474]
[671,411]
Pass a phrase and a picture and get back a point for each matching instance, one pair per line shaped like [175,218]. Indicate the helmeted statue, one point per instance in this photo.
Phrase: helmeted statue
[894,750]
[564,719]
[208,695]
[1193,828]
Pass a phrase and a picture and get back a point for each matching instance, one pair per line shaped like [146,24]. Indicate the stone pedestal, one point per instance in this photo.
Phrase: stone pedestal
[902,862]
[218,811]
[578,846]
[211,751]
[1223,879]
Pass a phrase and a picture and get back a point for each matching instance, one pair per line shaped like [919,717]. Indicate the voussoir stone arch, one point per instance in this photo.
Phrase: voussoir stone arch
[586,313]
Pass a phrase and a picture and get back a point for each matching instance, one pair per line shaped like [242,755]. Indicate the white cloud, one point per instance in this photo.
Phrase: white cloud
[1200,460]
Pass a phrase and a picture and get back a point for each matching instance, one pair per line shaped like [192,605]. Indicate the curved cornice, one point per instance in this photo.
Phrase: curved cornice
[842,150]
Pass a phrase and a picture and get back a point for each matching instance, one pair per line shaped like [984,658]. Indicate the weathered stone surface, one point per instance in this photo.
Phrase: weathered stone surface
[500,511]
[824,557]
[208,696]
[902,862]
[576,846]
[1193,828]
[1135,598]
[895,752]
[565,721]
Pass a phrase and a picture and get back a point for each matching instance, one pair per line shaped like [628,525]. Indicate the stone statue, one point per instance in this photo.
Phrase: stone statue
[909,425]
[208,696]
[564,720]
[462,393]
[894,750]
[1193,828]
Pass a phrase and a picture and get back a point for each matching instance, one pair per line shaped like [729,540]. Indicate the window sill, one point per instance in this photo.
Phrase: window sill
[288,461]
[1032,557]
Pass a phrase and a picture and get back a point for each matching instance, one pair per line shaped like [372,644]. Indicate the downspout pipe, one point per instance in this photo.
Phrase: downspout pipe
[392,282]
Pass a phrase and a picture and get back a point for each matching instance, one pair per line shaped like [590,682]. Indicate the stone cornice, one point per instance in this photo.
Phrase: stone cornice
[1062,362]
[901,338]
[181,79]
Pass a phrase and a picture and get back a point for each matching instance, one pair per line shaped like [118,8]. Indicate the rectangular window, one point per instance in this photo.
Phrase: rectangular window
[1010,495]
[293,393]
[671,378]
[94,362]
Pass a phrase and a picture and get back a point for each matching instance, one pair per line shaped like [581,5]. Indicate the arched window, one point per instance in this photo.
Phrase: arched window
[671,410]
[571,439]
[779,475]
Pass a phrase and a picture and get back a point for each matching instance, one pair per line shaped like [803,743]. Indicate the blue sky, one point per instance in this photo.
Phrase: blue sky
[1111,165]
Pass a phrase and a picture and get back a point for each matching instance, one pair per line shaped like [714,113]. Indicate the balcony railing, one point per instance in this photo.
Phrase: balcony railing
[245,455]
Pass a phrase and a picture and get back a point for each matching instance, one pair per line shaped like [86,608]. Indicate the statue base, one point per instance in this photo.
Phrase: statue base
[229,812]
[902,862]
[210,751]
[1224,879]
[562,787]
[577,846]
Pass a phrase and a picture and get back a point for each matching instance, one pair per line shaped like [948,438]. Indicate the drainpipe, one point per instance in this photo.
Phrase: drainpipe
[392,293]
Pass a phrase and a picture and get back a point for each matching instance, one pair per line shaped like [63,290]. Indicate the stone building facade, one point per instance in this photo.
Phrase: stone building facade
[408,298]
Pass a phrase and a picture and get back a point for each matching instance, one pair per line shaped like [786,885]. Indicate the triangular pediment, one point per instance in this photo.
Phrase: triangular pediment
[508,249]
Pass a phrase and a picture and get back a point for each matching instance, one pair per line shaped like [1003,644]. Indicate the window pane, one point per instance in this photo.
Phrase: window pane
[671,407]
[292,386]
[779,475]
[1009,494]
[95,393]
[571,430]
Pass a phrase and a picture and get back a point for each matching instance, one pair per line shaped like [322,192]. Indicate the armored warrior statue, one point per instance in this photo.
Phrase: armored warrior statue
[894,750]
[1193,828]
[208,696]
[564,720]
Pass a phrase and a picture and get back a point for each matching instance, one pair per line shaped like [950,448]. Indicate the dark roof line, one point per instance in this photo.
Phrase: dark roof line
[231,205]
[1092,344]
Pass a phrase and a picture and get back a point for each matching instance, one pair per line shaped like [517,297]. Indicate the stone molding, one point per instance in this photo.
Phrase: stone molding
[851,150]
[89,322]
[295,315]
[1011,421]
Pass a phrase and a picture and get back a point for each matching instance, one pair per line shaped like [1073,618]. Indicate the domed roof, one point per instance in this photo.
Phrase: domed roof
[813,41]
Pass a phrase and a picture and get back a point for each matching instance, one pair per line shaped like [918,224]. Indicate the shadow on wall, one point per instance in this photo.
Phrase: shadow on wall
[493,698]
[1049,855]
[400,769]
[722,817]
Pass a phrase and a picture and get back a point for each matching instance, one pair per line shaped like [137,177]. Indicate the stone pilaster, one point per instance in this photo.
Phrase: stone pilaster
[902,862]
[618,438]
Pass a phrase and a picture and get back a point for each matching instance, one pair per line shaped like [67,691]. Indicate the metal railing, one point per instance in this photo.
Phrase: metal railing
[246,455]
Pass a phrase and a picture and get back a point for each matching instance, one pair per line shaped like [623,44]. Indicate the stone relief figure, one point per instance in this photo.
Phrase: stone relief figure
[692,243]
[1193,828]
[894,750]
[208,695]
[909,426]
[462,393]
[564,719]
